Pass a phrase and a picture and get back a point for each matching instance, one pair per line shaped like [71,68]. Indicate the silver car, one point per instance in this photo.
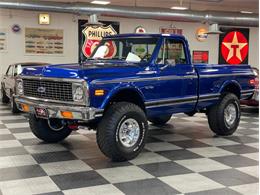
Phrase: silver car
[8,82]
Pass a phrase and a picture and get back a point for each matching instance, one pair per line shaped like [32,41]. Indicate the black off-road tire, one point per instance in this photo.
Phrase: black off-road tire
[160,120]
[42,130]
[216,118]
[108,131]
[14,106]
[4,97]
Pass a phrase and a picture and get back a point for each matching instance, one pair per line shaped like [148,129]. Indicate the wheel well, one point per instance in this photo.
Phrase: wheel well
[127,95]
[232,88]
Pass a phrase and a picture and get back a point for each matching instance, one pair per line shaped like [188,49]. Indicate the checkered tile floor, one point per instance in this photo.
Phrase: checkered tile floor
[183,157]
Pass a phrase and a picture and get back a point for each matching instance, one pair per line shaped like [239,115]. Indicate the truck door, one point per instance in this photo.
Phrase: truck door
[177,86]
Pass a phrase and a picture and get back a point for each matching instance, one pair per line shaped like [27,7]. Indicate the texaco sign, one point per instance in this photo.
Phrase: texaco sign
[234,48]
[93,35]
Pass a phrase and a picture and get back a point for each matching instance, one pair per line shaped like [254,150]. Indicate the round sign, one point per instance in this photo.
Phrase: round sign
[140,29]
[16,28]
[234,47]
[201,34]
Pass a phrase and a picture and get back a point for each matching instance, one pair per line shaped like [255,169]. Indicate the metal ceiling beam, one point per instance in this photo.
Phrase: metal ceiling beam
[222,18]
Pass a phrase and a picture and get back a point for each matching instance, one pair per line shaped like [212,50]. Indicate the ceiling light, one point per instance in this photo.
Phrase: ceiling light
[100,2]
[246,12]
[179,8]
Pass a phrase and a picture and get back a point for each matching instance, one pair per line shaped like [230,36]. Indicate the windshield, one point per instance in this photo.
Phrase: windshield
[135,49]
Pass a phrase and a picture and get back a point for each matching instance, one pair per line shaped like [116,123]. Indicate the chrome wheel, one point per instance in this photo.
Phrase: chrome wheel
[129,132]
[230,114]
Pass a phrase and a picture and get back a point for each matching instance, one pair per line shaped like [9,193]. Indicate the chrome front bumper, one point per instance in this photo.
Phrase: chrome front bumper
[54,109]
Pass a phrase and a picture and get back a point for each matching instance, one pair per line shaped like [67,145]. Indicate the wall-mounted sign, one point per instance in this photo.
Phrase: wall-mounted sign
[140,29]
[200,57]
[44,18]
[3,40]
[233,45]
[166,30]
[93,35]
[201,34]
[43,41]
[82,39]
[16,28]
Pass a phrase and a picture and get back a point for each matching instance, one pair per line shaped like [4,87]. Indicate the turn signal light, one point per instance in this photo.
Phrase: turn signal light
[99,92]
[66,114]
[25,107]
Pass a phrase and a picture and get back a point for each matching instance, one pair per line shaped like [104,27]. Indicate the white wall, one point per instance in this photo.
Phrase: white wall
[68,22]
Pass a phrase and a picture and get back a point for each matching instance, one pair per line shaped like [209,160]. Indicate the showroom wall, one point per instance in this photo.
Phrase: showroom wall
[69,23]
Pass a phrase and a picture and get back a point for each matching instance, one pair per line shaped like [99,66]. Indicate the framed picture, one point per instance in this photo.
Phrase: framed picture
[3,40]
[200,57]
[43,41]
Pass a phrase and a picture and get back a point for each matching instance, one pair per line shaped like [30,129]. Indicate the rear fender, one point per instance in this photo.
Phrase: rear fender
[229,83]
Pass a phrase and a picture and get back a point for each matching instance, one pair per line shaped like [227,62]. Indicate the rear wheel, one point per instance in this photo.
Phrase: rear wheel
[122,131]
[160,120]
[51,131]
[224,117]
[4,98]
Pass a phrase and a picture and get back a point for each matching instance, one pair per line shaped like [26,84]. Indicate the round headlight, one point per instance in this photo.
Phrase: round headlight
[78,94]
[19,88]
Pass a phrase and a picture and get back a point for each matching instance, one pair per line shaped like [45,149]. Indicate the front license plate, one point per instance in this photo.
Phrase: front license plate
[41,112]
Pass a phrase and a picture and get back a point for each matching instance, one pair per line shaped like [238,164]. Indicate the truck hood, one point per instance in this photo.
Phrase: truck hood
[89,71]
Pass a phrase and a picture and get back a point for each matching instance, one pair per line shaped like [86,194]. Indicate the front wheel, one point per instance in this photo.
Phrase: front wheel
[50,131]
[122,131]
[224,117]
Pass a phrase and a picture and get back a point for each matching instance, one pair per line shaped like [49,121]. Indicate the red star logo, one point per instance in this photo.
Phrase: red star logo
[234,47]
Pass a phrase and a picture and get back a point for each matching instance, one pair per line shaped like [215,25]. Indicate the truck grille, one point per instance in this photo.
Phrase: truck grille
[51,90]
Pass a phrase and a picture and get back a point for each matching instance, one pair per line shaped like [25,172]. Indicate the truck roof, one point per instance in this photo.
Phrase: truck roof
[145,35]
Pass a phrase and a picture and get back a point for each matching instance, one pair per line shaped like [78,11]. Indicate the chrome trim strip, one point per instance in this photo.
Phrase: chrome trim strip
[246,94]
[51,78]
[171,104]
[247,91]
[163,78]
[160,78]
[205,96]
[176,101]
[224,75]
[170,101]
[209,99]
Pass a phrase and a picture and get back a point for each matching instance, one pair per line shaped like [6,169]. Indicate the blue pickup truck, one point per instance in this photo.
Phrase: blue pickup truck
[129,80]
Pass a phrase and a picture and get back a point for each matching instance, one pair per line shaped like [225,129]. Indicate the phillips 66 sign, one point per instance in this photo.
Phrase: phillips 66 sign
[93,35]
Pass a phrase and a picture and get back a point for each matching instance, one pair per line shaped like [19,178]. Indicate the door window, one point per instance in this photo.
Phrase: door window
[172,52]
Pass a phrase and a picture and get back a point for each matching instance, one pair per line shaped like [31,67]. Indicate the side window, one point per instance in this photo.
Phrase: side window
[9,72]
[172,52]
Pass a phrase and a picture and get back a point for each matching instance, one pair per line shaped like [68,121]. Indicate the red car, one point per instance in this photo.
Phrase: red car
[254,100]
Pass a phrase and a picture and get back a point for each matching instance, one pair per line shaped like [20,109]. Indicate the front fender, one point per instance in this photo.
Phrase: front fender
[120,87]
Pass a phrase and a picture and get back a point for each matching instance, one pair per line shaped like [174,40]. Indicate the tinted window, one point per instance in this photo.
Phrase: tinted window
[172,52]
